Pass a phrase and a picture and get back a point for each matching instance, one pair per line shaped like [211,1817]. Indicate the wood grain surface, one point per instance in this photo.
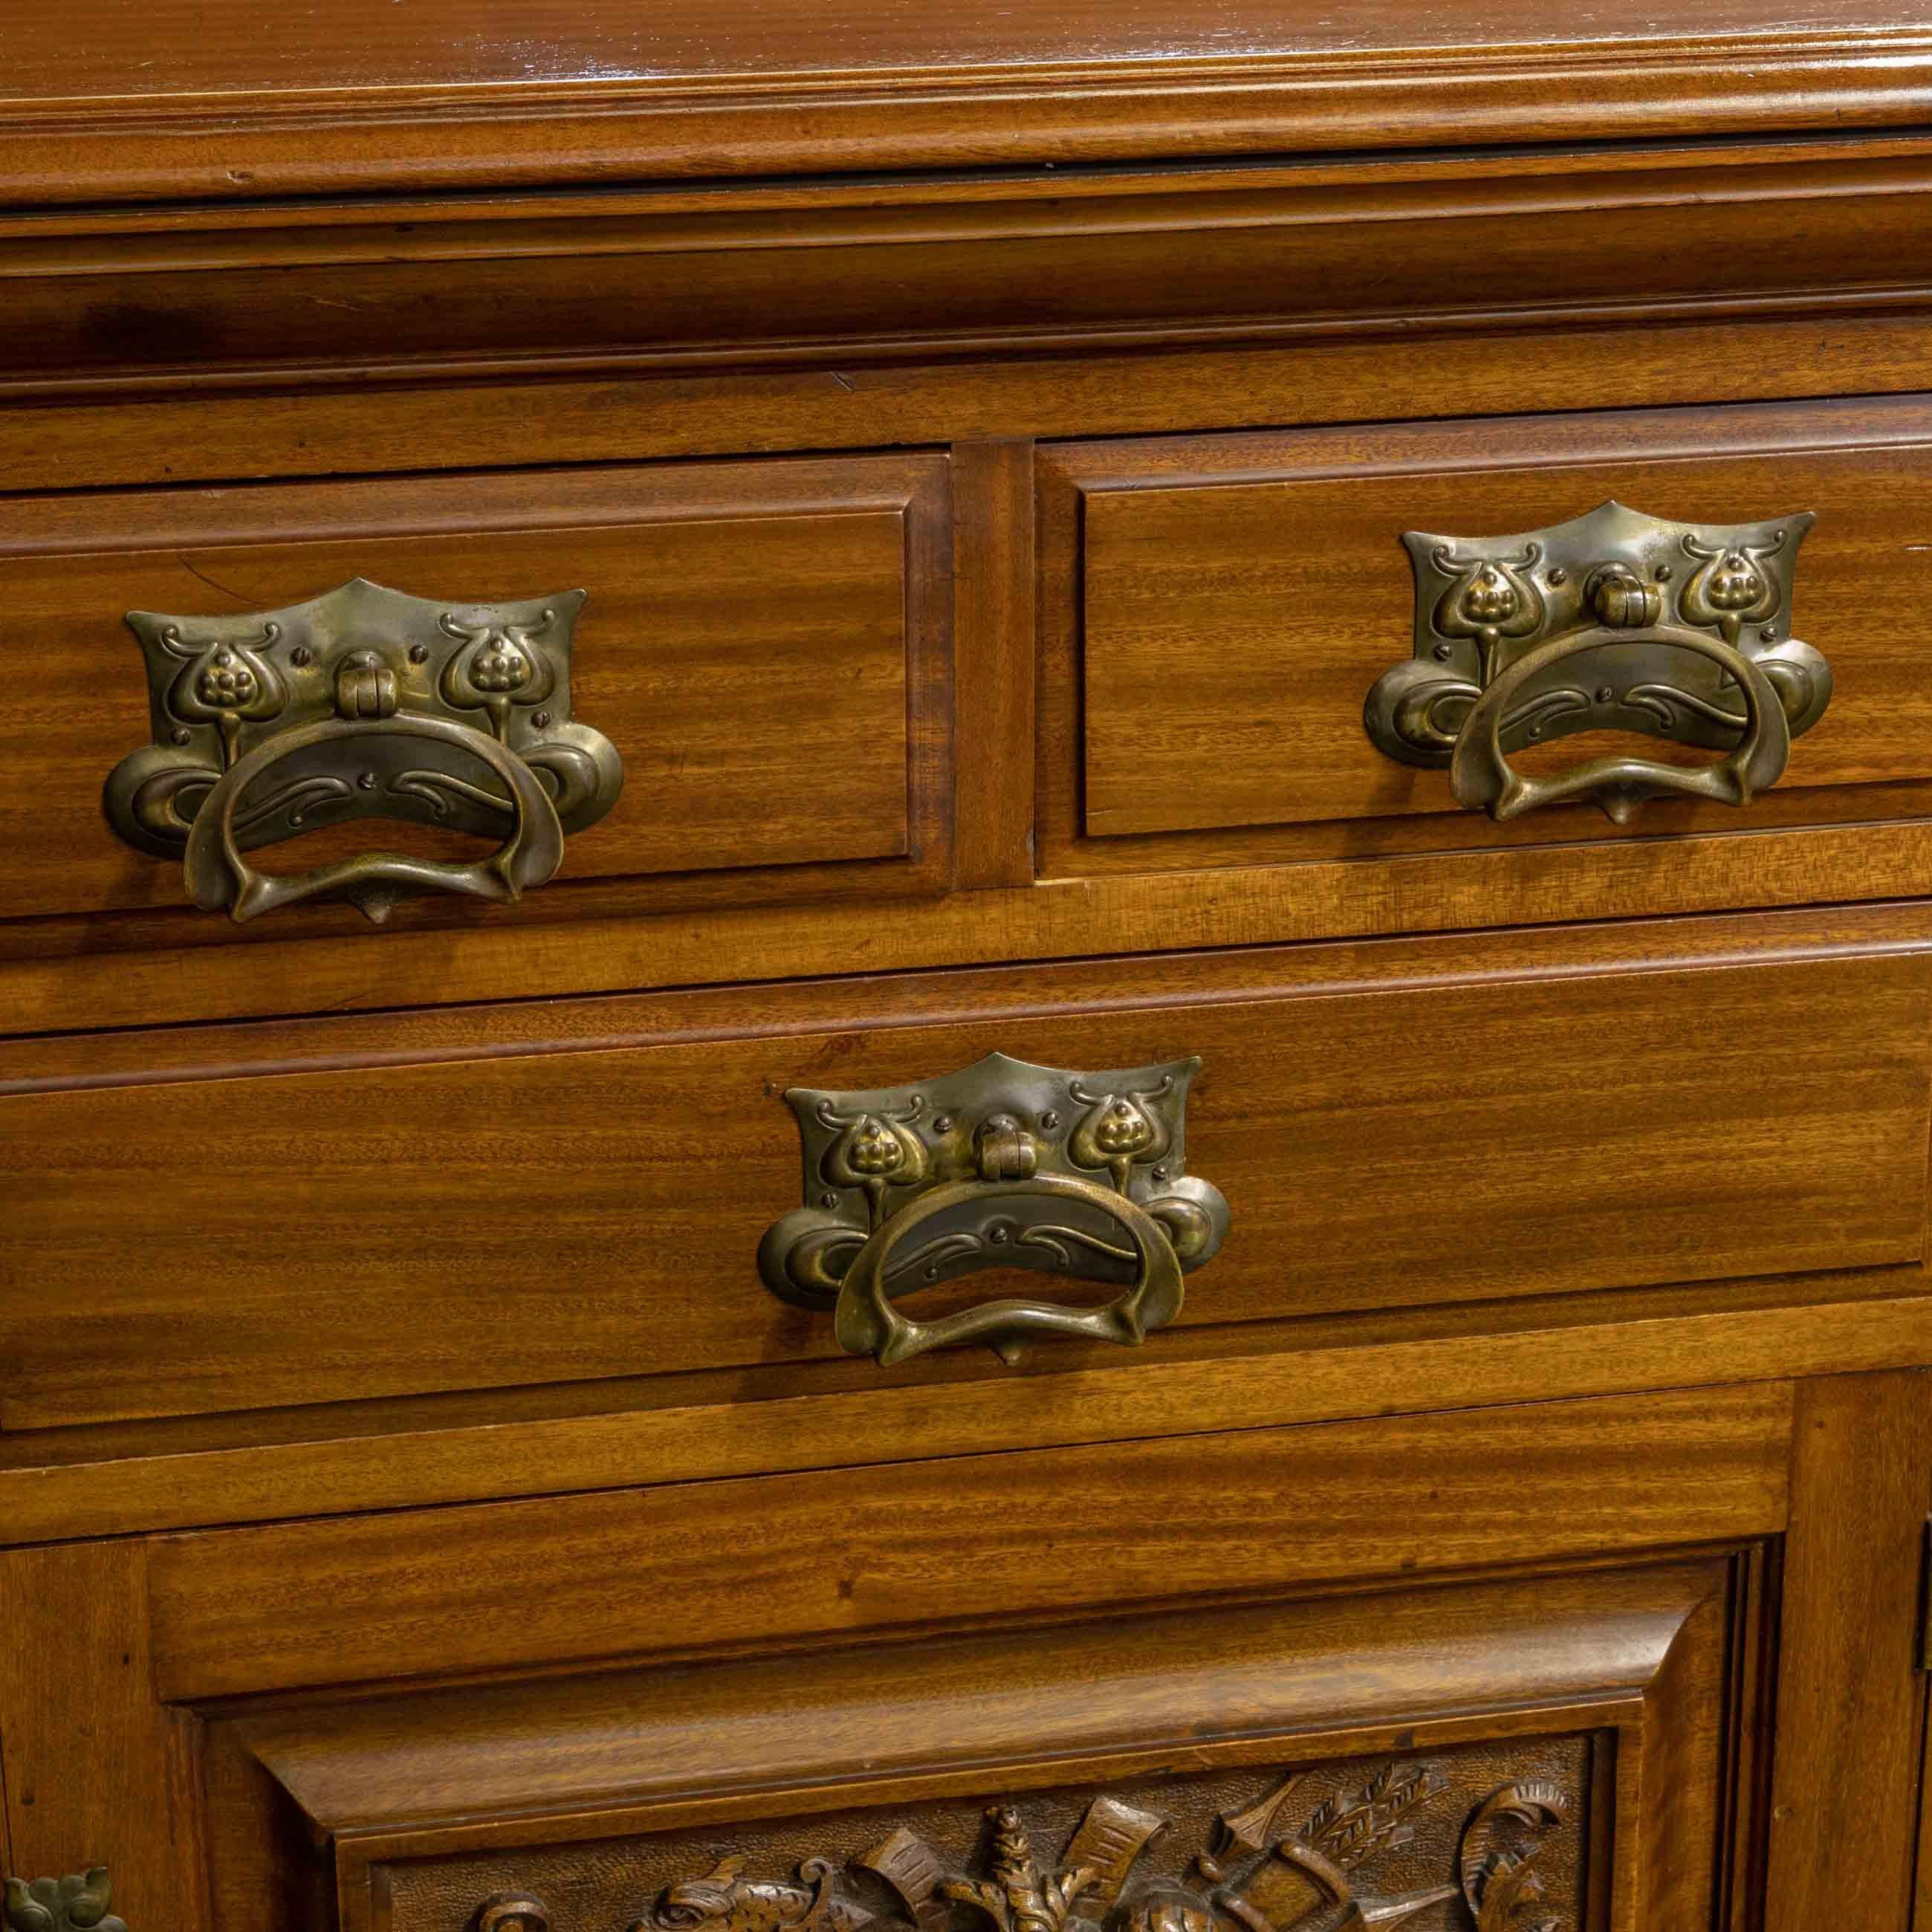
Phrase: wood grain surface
[1239,596]
[747,628]
[1851,1702]
[115,102]
[348,1230]
[675,1570]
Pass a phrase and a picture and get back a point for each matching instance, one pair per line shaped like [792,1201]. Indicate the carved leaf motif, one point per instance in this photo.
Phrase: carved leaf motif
[1348,1833]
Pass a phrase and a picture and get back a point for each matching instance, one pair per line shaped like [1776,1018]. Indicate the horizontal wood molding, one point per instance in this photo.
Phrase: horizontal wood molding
[82,1483]
[1858,342]
[677,1569]
[635,284]
[956,91]
[1062,918]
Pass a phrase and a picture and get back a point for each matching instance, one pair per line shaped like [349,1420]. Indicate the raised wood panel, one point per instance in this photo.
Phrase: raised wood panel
[1237,597]
[683,1568]
[1618,1681]
[343,1231]
[755,644]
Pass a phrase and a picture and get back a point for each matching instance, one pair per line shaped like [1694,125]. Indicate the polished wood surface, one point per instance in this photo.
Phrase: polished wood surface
[1852,1692]
[832,276]
[119,103]
[917,1542]
[271,1277]
[984,435]
[749,630]
[111,45]
[1237,597]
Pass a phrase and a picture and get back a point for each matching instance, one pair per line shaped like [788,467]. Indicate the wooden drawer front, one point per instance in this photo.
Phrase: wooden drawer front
[765,644]
[248,1217]
[1216,609]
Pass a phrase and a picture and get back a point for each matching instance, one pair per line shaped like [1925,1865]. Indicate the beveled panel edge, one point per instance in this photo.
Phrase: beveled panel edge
[1515,1663]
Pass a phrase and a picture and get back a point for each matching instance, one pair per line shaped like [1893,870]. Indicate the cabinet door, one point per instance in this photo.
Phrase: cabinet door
[1501,1668]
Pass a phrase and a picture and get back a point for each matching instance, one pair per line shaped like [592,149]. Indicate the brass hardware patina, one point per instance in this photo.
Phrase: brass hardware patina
[1614,621]
[1002,1164]
[78,1904]
[363,703]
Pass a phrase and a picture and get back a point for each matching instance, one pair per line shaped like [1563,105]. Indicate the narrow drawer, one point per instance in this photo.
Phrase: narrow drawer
[1218,610]
[765,646]
[250,1217]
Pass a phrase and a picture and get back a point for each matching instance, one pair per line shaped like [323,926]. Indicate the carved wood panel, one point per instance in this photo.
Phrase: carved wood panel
[1491,1835]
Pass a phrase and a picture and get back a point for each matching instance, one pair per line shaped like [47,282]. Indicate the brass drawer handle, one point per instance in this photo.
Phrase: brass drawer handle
[362,703]
[1502,625]
[999,1165]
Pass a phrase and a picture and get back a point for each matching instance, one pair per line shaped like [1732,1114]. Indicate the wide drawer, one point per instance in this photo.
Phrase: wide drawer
[766,647]
[248,1217]
[1217,611]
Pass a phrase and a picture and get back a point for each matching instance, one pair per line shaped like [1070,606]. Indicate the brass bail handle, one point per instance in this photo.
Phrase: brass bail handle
[1481,778]
[1000,1164]
[1615,621]
[363,702]
[866,1322]
[219,877]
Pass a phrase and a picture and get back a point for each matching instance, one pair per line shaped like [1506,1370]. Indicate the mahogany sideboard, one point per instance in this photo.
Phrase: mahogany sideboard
[965,968]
